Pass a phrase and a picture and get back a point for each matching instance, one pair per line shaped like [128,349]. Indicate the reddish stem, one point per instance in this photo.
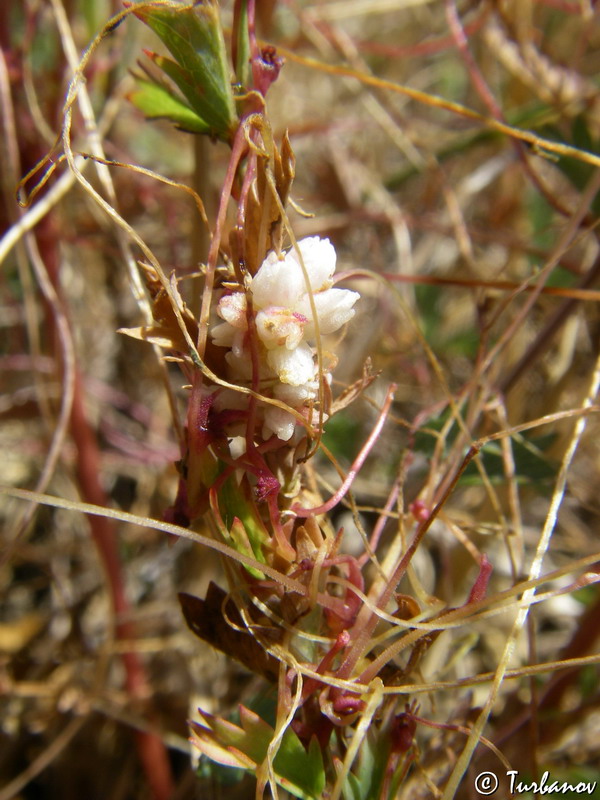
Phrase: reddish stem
[479,589]
[151,749]
[311,684]
[362,631]
[429,46]
[356,465]
[237,153]
[381,523]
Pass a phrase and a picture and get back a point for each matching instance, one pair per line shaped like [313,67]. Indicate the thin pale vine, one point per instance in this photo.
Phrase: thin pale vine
[539,142]
[534,571]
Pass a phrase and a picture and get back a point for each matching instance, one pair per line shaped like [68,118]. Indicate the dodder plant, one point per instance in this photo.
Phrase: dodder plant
[259,383]
[260,393]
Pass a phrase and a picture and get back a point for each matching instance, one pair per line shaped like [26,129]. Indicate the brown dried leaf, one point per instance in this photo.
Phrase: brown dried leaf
[206,619]
[156,334]
[350,394]
[263,218]
[285,168]
[261,215]
[162,308]
[167,333]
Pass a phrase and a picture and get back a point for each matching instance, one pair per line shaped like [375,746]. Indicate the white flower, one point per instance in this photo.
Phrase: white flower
[291,304]
[232,308]
[279,325]
[293,366]
[333,307]
[278,422]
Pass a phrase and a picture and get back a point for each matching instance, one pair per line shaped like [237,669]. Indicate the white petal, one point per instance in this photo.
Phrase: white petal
[295,396]
[277,283]
[319,259]
[240,366]
[334,308]
[223,334]
[277,327]
[279,422]
[237,445]
[238,345]
[293,366]
[232,308]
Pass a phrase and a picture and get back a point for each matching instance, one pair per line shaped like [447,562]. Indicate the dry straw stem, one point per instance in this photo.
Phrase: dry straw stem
[62,326]
[290,584]
[78,91]
[539,143]
[416,628]
[534,572]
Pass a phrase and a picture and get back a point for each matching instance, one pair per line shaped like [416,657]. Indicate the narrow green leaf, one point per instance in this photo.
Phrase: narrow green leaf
[581,135]
[194,38]
[302,773]
[235,500]
[156,102]
[305,771]
[241,542]
[182,79]
[532,465]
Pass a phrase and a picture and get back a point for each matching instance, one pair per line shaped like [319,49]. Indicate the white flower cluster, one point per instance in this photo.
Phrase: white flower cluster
[281,301]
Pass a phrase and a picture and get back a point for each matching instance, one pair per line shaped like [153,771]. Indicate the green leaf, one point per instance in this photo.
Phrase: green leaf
[156,102]
[300,772]
[561,278]
[369,770]
[181,78]
[582,138]
[304,769]
[241,542]
[531,465]
[236,502]
[353,789]
[194,37]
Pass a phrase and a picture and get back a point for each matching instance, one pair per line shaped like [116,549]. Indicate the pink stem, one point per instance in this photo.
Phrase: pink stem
[237,152]
[356,466]
[151,749]
[461,41]
[381,522]
[363,634]
[479,589]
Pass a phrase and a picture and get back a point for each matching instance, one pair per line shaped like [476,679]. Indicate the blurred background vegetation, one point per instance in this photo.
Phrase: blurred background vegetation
[489,313]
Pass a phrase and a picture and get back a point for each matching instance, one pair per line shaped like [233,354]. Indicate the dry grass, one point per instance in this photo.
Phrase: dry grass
[433,148]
